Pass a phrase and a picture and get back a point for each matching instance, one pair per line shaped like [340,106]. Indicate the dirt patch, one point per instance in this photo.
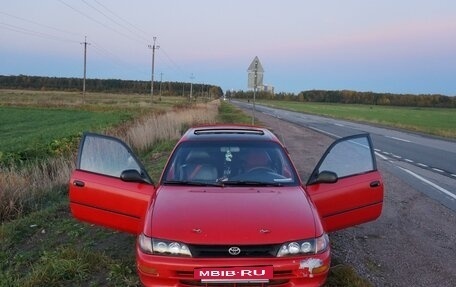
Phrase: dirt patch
[413,243]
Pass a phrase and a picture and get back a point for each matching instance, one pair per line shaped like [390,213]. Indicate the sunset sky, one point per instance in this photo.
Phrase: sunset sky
[406,46]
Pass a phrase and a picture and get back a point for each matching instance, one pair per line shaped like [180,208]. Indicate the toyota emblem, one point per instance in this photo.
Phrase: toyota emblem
[234,250]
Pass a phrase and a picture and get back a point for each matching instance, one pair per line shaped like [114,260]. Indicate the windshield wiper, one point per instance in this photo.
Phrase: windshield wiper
[194,183]
[251,183]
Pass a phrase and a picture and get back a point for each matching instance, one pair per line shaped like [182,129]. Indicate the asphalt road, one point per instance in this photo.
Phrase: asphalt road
[427,163]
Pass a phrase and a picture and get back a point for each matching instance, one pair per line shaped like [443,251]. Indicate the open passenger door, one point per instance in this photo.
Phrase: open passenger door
[345,186]
[109,187]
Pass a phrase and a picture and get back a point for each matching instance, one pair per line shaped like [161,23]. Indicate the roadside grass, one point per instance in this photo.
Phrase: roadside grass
[434,121]
[342,275]
[230,114]
[49,248]
[155,159]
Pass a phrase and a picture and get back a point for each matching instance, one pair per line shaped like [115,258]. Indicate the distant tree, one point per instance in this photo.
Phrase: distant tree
[95,85]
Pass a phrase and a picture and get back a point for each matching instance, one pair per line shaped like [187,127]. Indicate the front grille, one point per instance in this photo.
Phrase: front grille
[214,251]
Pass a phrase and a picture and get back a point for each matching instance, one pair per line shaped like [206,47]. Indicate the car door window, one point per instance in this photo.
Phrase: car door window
[349,157]
[107,156]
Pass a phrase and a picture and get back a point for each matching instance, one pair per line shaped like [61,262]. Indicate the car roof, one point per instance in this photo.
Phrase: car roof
[229,132]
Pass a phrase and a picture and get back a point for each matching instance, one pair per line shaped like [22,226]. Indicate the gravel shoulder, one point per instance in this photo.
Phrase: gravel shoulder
[413,243]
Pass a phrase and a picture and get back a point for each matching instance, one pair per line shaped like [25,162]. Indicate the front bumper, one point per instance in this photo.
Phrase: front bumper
[164,271]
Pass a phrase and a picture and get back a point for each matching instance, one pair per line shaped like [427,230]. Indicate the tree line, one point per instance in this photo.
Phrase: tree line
[354,97]
[106,85]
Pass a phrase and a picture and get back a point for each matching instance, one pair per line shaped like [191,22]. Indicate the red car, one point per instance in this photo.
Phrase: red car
[229,208]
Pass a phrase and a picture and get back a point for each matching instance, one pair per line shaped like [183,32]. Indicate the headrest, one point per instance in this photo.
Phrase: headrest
[256,158]
[197,156]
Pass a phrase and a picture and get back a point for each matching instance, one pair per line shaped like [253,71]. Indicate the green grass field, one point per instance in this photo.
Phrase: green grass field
[25,128]
[36,124]
[435,121]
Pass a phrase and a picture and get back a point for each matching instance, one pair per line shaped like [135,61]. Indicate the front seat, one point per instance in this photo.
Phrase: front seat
[198,167]
[256,159]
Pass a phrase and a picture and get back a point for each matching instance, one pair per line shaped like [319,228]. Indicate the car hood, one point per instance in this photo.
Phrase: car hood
[231,215]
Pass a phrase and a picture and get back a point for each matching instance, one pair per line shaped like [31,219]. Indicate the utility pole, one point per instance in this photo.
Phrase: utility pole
[161,79]
[153,47]
[254,91]
[85,68]
[191,86]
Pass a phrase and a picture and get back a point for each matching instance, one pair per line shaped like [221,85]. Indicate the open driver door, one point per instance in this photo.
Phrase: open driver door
[110,186]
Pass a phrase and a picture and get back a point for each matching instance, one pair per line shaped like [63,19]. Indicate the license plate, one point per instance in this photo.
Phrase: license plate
[257,274]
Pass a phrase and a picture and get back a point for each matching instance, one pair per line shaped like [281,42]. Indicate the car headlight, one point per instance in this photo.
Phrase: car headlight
[163,247]
[309,246]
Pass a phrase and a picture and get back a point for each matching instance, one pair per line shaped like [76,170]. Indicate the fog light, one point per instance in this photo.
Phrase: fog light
[320,269]
[150,271]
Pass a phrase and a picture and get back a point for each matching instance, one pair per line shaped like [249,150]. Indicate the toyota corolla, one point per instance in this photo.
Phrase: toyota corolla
[230,208]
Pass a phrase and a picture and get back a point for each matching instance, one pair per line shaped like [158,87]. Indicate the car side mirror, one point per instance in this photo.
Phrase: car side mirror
[326,177]
[132,175]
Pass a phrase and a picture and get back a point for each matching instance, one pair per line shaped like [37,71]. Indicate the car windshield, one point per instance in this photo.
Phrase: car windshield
[228,163]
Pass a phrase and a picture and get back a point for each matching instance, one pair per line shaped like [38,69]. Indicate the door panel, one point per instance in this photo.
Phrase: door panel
[349,201]
[357,196]
[98,195]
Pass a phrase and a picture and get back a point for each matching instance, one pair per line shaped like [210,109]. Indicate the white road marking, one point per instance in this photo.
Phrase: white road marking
[453,175]
[325,132]
[381,156]
[438,170]
[450,194]
[377,150]
[422,164]
[396,156]
[339,125]
[408,160]
[387,153]
[398,139]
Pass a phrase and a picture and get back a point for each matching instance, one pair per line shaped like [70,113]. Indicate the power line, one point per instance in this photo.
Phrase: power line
[112,20]
[177,67]
[26,31]
[136,32]
[110,28]
[96,46]
[115,59]
[35,33]
[96,21]
[172,62]
[145,34]
[39,24]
